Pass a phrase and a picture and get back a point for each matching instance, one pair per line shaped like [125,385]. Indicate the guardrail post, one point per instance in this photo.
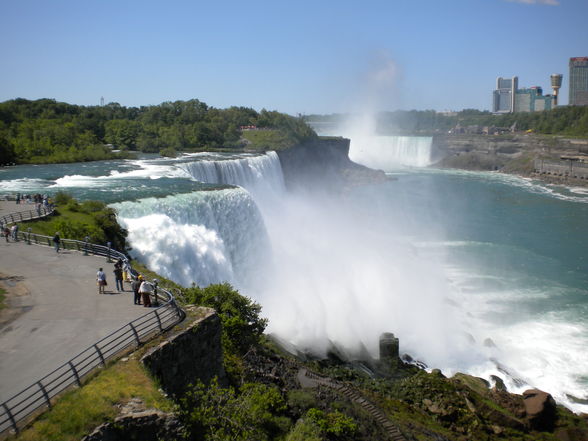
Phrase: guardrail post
[75,372]
[45,394]
[11,417]
[136,334]
[158,320]
[100,355]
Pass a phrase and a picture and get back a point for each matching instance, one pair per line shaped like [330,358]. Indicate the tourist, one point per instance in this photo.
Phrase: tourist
[6,233]
[56,242]
[145,290]
[14,232]
[101,281]
[135,285]
[17,198]
[118,276]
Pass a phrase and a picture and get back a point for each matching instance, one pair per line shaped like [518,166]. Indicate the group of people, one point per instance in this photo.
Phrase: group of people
[30,199]
[142,289]
[11,232]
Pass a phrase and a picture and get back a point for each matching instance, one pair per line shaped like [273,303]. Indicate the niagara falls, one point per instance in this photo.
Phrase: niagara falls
[474,272]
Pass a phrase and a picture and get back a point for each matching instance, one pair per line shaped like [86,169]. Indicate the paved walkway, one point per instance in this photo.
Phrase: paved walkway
[63,313]
[7,207]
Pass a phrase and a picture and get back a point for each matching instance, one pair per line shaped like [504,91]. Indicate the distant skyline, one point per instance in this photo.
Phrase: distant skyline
[295,57]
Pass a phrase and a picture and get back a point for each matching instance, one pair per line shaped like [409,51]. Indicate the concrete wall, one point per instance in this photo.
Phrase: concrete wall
[193,354]
[572,169]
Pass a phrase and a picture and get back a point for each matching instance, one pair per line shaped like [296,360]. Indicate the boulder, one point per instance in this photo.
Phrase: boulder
[148,425]
[540,409]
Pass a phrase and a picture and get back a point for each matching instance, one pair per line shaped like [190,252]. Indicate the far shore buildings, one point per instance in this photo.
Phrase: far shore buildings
[508,98]
[578,81]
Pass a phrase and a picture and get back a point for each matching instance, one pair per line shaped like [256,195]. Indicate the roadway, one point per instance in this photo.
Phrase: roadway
[55,310]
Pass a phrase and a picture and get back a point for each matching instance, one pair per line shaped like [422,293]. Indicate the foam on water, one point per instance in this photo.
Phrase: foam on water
[203,237]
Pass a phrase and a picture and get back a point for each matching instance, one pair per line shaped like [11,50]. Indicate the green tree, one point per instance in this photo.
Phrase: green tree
[251,413]
[242,325]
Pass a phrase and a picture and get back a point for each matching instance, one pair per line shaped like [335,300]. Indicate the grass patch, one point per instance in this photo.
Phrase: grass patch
[2,298]
[268,139]
[79,411]
[78,220]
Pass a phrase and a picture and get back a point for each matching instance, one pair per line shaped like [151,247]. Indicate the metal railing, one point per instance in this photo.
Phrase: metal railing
[19,409]
[23,216]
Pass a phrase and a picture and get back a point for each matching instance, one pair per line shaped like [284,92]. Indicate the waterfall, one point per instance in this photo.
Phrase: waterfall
[391,152]
[261,172]
[203,237]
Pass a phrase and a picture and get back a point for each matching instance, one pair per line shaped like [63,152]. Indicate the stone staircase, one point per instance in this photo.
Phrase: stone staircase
[310,379]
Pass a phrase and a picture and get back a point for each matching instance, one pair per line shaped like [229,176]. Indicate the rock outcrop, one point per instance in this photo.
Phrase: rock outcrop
[541,409]
[136,422]
[324,164]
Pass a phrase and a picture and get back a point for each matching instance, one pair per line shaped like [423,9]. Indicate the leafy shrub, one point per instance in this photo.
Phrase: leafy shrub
[241,323]
[251,413]
[333,423]
[63,198]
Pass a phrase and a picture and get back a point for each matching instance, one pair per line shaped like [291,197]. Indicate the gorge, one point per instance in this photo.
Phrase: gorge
[447,260]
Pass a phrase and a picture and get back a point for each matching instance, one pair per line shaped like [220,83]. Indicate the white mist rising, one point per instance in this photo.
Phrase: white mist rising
[343,273]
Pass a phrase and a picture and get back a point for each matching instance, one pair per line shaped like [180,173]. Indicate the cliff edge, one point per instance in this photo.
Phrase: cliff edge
[324,163]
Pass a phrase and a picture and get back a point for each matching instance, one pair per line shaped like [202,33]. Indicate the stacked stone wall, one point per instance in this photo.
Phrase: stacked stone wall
[191,355]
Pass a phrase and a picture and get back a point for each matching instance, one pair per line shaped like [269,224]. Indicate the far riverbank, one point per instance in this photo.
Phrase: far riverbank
[546,158]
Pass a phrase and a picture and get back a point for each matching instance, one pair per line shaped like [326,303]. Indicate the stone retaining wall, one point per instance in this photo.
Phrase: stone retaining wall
[190,355]
[572,169]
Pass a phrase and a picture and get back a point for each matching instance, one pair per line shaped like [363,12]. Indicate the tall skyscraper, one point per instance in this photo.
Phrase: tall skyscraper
[578,81]
[503,99]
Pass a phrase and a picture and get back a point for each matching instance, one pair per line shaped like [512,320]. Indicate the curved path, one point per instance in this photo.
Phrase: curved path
[7,207]
[62,312]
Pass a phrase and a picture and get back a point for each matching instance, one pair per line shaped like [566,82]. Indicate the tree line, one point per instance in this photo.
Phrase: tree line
[45,130]
[565,120]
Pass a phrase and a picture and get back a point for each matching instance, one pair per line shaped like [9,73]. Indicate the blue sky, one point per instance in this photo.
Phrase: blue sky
[296,56]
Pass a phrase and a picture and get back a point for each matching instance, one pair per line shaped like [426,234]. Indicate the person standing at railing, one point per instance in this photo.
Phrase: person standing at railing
[135,285]
[56,242]
[6,233]
[101,281]
[146,289]
[118,275]
[14,232]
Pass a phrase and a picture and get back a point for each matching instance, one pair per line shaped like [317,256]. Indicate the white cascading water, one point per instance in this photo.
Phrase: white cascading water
[203,237]
[250,172]
[328,270]
[391,152]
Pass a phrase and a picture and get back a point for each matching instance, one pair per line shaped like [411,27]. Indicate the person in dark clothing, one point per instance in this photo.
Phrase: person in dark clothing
[56,242]
[118,277]
[135,284]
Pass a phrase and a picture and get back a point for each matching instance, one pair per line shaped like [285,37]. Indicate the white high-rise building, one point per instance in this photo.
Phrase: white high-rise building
[504,95]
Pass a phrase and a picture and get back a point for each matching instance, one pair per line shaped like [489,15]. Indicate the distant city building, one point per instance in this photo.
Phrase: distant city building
[504,95]
[508,98]
[533,100]
[578,81]
[556,80]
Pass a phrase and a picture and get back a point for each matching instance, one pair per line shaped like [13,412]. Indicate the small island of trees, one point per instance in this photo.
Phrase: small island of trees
[47,131]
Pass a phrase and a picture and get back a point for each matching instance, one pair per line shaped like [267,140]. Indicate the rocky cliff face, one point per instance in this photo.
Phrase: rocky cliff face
[516,154]
[324,163]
